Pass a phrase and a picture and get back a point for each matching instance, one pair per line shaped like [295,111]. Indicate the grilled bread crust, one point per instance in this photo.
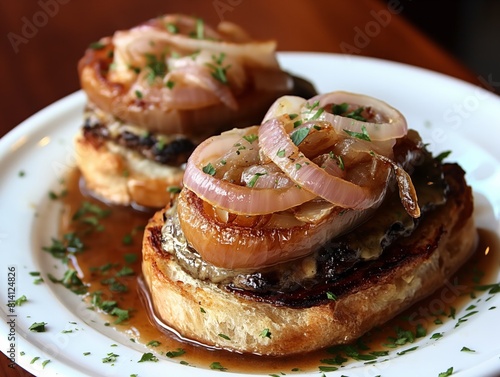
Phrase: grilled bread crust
[201,311]
[120,176]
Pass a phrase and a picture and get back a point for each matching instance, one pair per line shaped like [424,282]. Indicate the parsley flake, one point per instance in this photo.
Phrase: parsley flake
[363,135]
[148,356]
[218,71]
[250,138]
[299,135]
[21,300]
[176,353]
[209,169]
[38,327]
[280,153]
[217,366]
[265,333]
[448,372]
[254,179]
[110,358]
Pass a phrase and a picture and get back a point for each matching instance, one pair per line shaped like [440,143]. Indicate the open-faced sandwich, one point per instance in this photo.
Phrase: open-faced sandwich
[326,220]
[157,90]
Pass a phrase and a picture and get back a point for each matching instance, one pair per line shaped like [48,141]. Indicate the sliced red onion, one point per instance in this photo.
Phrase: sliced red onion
[277,144]
[392,123]
[233,197]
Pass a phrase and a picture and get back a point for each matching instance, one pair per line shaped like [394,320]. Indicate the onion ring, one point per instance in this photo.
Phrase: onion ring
[393,123]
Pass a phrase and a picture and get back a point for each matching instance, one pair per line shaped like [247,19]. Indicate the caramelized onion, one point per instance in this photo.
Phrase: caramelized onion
[389,124]
[247,247]
[230,196]
[279,147]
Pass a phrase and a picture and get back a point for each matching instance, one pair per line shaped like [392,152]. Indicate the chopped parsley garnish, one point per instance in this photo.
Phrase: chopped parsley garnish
[342,110]
[90,214]
[448,372]
[340,161]
[122,315]
[110,358]
[218,71]
[440,157]
[299,135]
[170,84]
[265,333]
[331,296]
[467,349]
[209,169]
[491,288]
[153,343]
[224,336]
[407,350]
[130,258]
[176,353]
[60,249]
[437,335]
[38,327]
[363,135]
[323,368]
[174,189]
[55,196]
[21,300]
[156,66]
[200,31]
[138,94]
[356,114]
[280,153]
[171,28]
[125,271]
[339,109]
[148,356]
[114,285]
[71,281]
[127,239]
[317,114]
[217,366]
[254,179]
[250,138]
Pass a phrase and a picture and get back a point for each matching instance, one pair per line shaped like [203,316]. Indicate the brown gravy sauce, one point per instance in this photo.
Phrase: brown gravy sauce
[109,250]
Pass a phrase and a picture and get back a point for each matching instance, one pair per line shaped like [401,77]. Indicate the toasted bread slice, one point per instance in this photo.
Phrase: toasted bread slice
[369,296]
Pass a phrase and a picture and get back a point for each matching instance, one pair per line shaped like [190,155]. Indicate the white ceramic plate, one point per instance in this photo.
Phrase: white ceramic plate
[450,114]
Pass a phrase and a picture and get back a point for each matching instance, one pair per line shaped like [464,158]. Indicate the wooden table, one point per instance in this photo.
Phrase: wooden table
[46,38]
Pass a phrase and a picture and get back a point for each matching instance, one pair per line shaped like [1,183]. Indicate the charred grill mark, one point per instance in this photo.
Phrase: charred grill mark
[155,237]
[151,146]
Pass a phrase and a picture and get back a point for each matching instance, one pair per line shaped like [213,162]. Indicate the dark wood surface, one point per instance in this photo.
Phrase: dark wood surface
[43,40]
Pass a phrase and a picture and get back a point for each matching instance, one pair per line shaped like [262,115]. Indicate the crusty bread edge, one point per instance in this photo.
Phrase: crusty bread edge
[204,313]
[120,176]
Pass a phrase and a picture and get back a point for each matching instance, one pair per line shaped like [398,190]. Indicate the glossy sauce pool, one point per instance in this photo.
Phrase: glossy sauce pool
[111,266]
